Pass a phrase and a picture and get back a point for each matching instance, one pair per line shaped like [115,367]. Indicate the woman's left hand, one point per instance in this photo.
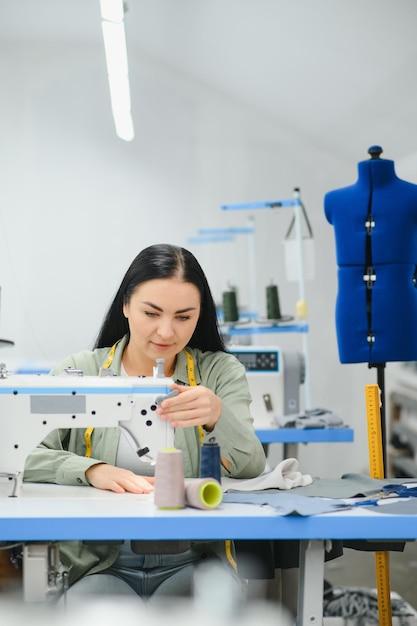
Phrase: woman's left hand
[193,406]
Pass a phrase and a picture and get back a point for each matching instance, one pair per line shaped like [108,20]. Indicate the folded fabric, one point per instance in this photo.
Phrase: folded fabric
[312,418]
[284,476]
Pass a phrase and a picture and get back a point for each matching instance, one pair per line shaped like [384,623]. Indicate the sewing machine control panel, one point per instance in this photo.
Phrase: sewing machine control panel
[259,360]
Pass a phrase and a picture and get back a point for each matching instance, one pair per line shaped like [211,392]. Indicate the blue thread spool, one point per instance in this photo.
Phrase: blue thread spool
[210,461]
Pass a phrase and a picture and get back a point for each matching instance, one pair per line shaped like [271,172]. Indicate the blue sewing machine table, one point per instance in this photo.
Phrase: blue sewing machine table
[46,513]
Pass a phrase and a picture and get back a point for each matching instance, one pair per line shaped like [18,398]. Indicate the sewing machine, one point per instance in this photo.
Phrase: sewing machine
[274,378]
[31,406]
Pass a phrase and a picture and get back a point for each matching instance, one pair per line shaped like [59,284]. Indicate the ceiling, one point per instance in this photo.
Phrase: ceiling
[340,74]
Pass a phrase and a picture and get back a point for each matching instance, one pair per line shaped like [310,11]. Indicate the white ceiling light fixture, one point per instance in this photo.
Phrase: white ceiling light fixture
[112,15]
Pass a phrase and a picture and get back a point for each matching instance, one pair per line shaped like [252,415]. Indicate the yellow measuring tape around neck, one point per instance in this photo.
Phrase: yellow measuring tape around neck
[376,470]
[110,357]
[190,369]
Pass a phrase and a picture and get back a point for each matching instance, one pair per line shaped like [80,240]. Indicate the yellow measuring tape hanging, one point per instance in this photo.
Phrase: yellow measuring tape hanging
[376,470]
[192,382]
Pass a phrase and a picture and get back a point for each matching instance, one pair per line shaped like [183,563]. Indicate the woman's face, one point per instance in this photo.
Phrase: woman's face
[162,315]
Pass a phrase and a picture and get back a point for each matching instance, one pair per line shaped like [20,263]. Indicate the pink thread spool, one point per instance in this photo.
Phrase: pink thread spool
[169,487]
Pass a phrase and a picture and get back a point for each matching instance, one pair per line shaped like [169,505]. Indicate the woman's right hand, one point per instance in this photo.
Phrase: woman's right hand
[117,479]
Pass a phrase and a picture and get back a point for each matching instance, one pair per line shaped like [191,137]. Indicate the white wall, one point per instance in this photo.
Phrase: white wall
[77,204]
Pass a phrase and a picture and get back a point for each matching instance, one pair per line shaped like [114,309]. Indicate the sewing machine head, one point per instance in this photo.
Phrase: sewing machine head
[31,406]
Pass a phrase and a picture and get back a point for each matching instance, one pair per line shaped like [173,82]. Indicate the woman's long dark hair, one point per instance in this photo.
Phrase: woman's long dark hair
[163,261]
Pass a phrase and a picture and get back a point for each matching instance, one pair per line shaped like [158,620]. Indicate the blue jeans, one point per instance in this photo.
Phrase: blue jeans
[144,575]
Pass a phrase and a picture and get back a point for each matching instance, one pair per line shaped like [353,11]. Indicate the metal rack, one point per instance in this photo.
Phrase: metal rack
[301,327]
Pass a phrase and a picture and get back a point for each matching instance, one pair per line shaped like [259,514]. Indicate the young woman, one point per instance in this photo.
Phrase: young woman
[162,309]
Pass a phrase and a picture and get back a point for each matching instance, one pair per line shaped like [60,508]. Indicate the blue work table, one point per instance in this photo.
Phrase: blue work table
[305,435]
[44,513]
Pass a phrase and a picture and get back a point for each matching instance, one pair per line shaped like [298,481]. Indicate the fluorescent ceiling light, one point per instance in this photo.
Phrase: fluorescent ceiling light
[115,48]
[112,13]
[112,10]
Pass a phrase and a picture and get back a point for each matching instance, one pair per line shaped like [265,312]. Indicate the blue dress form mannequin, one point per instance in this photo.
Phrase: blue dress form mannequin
[375,227]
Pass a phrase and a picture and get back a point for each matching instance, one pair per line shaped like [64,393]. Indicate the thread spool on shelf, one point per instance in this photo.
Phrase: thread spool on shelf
[273,310]
[301,309]
[169,487]
[230,310]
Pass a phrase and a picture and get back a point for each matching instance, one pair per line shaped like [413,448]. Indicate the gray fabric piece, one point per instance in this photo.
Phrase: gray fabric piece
[348,486]
[286,503]
[324,495]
